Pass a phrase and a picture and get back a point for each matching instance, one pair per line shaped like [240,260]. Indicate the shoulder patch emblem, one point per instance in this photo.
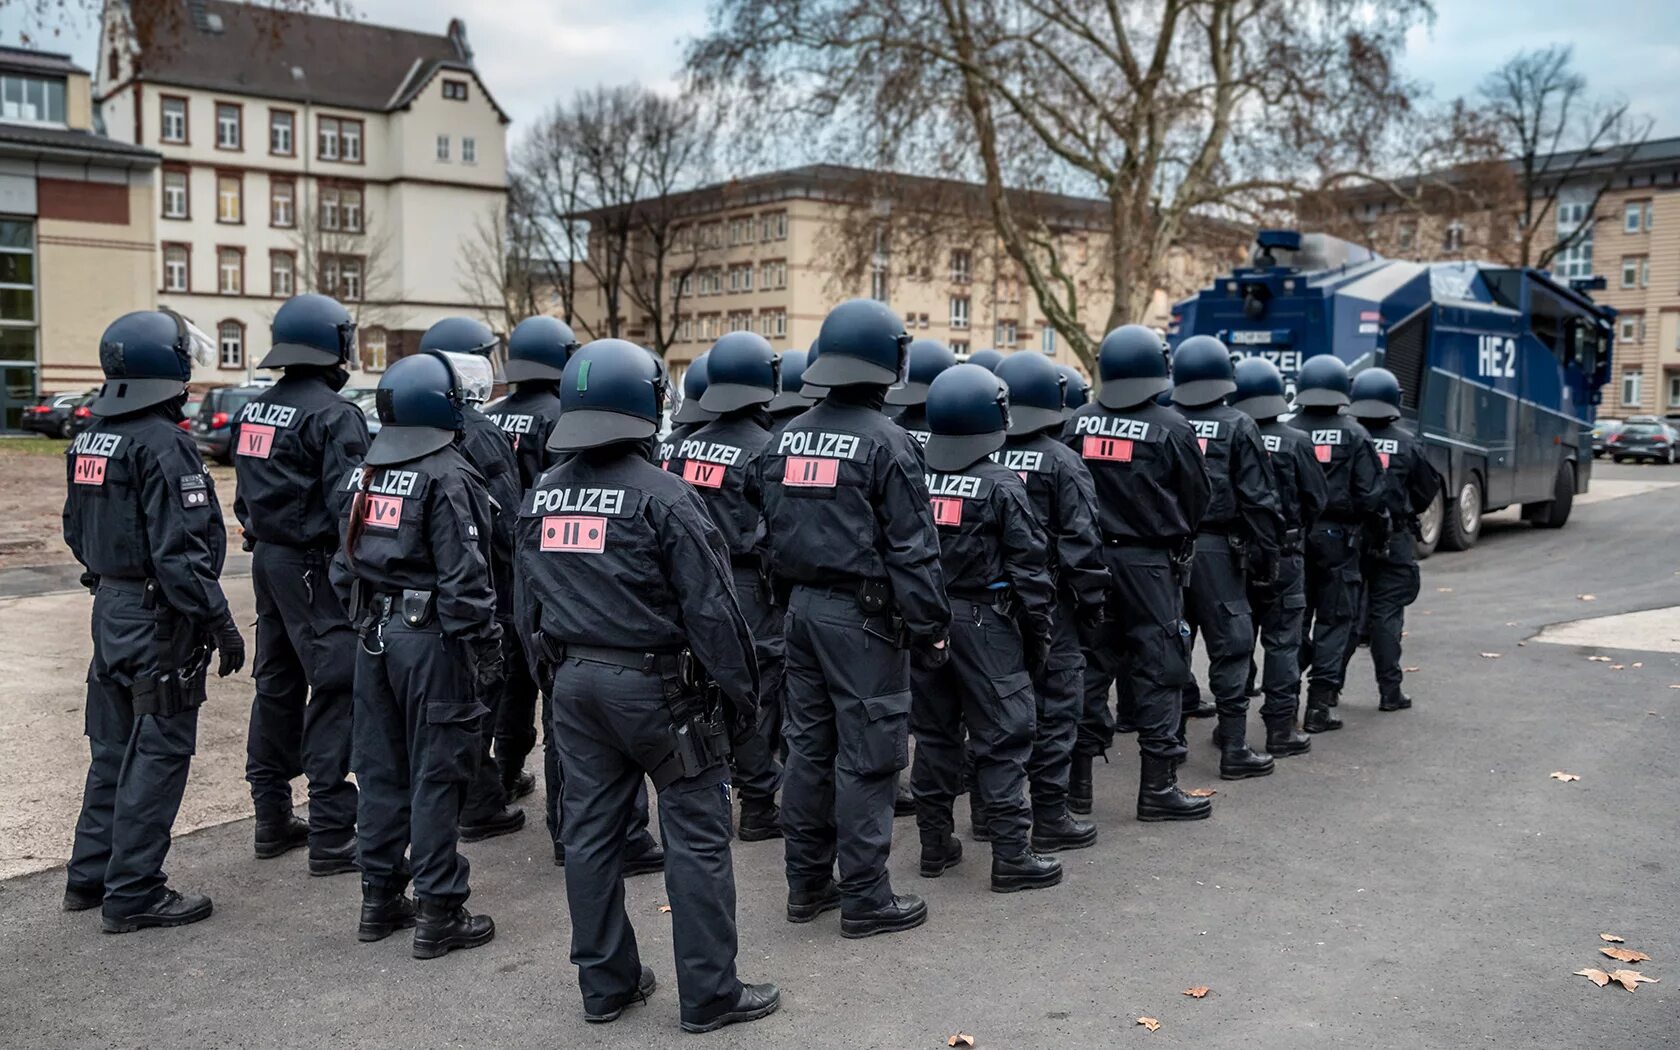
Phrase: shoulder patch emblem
[195,490]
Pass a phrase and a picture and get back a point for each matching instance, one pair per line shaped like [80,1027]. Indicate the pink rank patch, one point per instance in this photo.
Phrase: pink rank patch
[1202,444]
[1322,453]
[1384,457]
[706,475]
[255,440]
[946,511]
[1116,450]
[384,512]
[90,470]
[811,472]
[577,533]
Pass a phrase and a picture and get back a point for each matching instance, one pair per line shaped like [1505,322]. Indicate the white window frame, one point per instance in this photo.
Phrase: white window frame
[229,116]
[1630,271]
[443,148]
[350,141]
[175,204]
[282,208]
[375,346]
[962,266]
[350,208]
[230,279]
[172,108]
[282,125]
[1632,216]
[182,266]
[469,150]
[350,278]
[282,289]
[230,345]
[1628,329]
[1633,383]
[960,312]
[238,198]
[328,213]
[327,138]
[1047,340]
[1674,391]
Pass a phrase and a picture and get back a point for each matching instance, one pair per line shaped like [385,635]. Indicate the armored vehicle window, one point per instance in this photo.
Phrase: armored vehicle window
[1546,316]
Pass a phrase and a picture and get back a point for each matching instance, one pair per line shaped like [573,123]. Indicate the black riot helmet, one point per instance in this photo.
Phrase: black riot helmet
[861,343]
[1322,382]
[460,335]
[1077,389]
[537,348]
[613,391]
[928,358]
[968,417]
[147,357]
[741,369]
[694,383]
[1037,392]
[1132,367]
[1201,371]
[419,405]
[310,329]
[988,359]
[1375,394]
[1260,391]
[793,394]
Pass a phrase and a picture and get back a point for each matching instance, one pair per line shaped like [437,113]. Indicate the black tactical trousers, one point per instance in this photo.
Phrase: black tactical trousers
[418,745]
[301,715]
[1153,654]
[138,767]
[516,719]
[1279,609]
[1060,691]
[1216,607]
[1095,732]
[1391,584]
[758,770]
[846,713]
[639,839]
[486,795]
[1333,598]
[984,688]
[613,728]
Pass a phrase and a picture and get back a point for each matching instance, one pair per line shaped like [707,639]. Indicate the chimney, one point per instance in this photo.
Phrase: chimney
[457,33]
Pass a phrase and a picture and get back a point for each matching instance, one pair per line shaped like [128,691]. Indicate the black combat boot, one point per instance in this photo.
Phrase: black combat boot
[279,833]
[1159,797]
[1025,870]
[506,821]
[760,820]
[1053,833]
[168,909]
[1283,739]
[1195,704]
[805,905]
[646,985]
[649,859]
[1319,719]
[334,860]
[81,897]
[979,825]
[1079,794]
[940,853]
[518,783]
[441,927]
[1395,701]
[1237,761]
[753,1001]
[383,913]
[905,911]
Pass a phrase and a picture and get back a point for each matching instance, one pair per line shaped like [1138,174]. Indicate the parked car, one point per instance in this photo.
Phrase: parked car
[54,414]
[1644,437]
[1602,429]
[212,429]
[367,400]
[189,412]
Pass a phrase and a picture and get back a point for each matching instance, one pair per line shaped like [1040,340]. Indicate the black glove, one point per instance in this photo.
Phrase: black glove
[1092,626]
[248,542]
[485,658]
[91,582]
[226,641]
[1035,652]
[930,652]
[1262,567]
[743,727]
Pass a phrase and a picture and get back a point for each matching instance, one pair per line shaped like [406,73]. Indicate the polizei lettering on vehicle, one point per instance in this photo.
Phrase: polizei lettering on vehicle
[268,415]
[820,443]
[1112,426]
[578,501]
[709,452]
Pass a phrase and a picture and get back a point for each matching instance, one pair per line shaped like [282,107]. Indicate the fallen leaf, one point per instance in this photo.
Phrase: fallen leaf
[1598,977]
[1639,665]
[1490,656]
[1444,590]
[1149,1023]
[664,909]
[1198,992]
[1587,597]
[1415,670]
[1629,979]
[1605,660]
[1674,687]
[1521,644]
[1565,777]
[1612,938]
[1625,954]
[1201,792]
[964,1039]
[1510,623]
[1618,667]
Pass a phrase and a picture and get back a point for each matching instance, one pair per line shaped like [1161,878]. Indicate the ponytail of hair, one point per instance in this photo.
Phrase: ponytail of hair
[358,515]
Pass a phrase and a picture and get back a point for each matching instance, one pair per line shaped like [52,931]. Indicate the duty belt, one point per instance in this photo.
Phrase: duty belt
[1111,539]
[633,659]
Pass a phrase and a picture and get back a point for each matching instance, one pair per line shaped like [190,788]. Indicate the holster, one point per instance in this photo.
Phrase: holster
[1183,558]
[699,738]
[874,598]
[172,692]
[418,607]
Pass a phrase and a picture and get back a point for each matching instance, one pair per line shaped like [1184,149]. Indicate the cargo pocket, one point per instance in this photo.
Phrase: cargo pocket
[452,739]
[877,736]
[1414,584]
[1017,710]
[1172,668]
[1237,627]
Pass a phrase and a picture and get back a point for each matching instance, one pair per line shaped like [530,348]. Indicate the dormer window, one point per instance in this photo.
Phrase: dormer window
[455,90]
[31,100]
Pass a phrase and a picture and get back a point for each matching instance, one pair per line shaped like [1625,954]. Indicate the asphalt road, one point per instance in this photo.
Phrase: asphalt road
[1419,881]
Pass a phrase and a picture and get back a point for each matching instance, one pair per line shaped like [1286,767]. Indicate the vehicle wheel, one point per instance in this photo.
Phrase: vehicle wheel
[65,431]
[1618,459]
[1429,524]
[1554,512]
[1461,525]
[1671,455]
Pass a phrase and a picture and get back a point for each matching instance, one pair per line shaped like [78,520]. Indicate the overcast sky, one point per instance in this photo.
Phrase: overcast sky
[532,52]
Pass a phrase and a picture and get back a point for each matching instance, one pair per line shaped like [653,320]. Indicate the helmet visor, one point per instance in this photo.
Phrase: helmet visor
[475,376]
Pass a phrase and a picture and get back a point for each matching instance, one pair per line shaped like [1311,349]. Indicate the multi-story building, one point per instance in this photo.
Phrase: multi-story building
[77,233]
[305,153]
[773,252]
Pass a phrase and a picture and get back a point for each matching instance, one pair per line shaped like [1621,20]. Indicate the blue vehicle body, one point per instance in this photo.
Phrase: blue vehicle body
[1500,368]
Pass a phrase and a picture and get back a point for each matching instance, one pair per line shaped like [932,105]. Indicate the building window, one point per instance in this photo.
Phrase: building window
[1006,333]
[372,342]
[280,132]
[880,284]
[282,203]
[35,100]
[230,271]
[230,199]
[1452,240]
[350,135]
[176,272]
[1674,391]
[341,277]
[1633,215]
[1047,340]
[959,311]
[961,265]
[1648,207]
[775,324]
[230,337]
[959,346]
[172,120]
[443,147]
[1630,271]
[773,226]
[341,208]
[18,333]
[773,276]
[1631,328]
[1631,388]
[1645,272]
[339,138]
[229,133]
[455,90]
[469,151]
[282,274]
[741,230]
[1576,260]
[1406,236]
[175,199]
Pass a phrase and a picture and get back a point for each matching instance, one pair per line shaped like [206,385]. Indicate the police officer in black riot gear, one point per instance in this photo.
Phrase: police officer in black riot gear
[625,596]
[1390,569]
[490,451]
[141,516]
[1279,604]
[928,358]
[537,350]
[415,574]
[852,535]
[293,447]
[1076,390]
[1353,516]
[1065,502]
[1237,540]
[1152,490]
[721,461]
[993,551]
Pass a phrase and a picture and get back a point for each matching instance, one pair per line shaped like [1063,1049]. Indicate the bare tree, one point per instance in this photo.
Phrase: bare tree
[505,269]
[352,262]
[1561,141]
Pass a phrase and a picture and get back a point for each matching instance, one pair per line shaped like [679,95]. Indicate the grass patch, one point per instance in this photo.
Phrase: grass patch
[24,445]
